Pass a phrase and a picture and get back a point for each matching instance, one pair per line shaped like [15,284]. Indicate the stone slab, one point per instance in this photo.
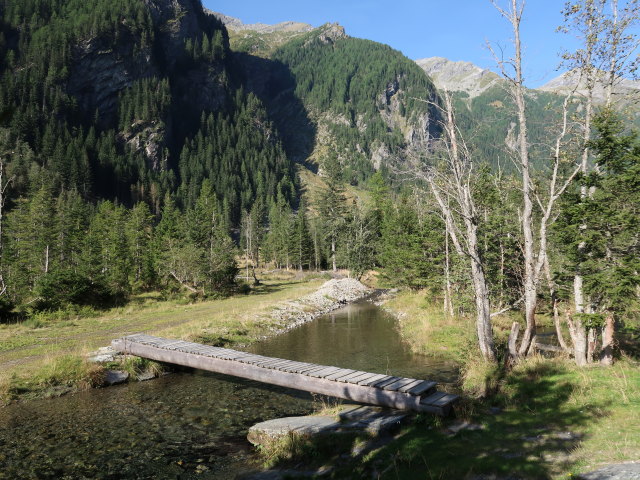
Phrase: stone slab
[619,471]
[372,420]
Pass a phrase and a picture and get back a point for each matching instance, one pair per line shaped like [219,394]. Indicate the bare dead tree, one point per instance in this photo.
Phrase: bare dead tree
[452,189]
[534,227]
[605,56]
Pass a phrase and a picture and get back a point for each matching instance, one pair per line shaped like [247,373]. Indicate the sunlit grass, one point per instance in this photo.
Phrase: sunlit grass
[27,349]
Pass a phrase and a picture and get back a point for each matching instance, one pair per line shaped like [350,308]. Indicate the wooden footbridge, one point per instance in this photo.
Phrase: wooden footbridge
[365,387]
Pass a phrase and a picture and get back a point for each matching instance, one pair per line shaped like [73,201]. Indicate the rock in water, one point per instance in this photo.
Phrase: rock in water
[373,420]
[114,377]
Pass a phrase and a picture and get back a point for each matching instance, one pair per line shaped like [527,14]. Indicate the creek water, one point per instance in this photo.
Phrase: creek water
[194,424]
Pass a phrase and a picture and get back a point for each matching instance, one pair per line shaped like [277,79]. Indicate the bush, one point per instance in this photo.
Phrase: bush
[59,289]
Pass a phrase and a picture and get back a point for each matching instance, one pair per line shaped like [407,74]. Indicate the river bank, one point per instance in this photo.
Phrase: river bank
[546,418]
[50,360]
[194,424]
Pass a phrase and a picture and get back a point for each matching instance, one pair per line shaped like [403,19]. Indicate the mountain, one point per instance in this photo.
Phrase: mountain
[570,81]
[134,101]
[137,101]
[363,103]
[459,76]
[259,38]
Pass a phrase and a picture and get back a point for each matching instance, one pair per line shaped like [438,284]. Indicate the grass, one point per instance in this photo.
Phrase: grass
[28,351]
[551,419]
[554,420]
[557,421]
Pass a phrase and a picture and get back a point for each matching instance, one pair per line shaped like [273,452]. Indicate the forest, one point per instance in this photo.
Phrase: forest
[138,188]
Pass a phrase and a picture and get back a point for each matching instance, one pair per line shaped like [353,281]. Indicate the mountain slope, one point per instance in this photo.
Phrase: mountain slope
[363,103]
[459,76]
[117,100]
[567,82]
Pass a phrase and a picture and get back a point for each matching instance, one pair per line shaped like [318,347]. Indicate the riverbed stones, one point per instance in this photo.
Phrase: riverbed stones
[332,295]
[372,420]
[115,377]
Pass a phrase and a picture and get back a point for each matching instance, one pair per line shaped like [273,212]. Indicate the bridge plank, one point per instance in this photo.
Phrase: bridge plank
[277,365]
[368,376]
[421,388]
[293,366]
[340,373]
[324,372]
[400,383]
[360,376]
[431,399]
[375,379]
[381,384]
[409,386]
[305,367]
[348,378]
[284,364]
[356,385]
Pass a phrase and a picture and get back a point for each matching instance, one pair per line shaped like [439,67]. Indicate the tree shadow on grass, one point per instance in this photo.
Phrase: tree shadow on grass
[532,437]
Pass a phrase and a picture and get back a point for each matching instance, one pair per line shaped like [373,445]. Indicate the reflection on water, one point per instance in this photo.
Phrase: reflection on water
[193,425]
[360,336]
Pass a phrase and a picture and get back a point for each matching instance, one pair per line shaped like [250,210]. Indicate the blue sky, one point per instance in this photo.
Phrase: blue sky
[455,29]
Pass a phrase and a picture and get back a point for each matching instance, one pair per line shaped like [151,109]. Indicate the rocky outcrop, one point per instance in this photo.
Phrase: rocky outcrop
[459,76]
[149,139]
[331,32]
[103,66]
[101,70]
[571,81]
[236,24]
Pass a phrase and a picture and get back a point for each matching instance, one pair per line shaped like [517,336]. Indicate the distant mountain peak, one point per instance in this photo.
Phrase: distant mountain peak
[237,25]
[567,81]
[458,76]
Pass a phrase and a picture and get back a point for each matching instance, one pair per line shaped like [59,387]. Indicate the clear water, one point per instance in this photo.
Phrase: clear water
[193,424]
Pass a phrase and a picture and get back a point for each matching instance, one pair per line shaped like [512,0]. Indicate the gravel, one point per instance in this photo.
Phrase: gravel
[332,295]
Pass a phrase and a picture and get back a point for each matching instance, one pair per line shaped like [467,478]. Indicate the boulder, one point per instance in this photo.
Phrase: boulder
[114,377]
[371,420]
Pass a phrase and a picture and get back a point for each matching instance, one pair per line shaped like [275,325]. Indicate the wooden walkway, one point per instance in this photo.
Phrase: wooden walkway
[365,387]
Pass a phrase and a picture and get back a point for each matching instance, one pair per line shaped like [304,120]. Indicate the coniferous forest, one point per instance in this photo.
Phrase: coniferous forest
[140,152]
[170,170]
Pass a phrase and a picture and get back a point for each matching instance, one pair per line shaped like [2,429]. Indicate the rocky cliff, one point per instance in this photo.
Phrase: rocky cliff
[459,76]
[572,82]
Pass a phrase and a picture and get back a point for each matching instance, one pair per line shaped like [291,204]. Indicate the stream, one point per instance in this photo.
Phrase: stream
[194,424]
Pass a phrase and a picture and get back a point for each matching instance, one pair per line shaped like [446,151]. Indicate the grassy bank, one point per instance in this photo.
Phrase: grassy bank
[554,419]
[546,418]
[46,356]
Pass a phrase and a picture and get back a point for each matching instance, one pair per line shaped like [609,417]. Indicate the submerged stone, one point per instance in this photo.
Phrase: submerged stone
[114,377]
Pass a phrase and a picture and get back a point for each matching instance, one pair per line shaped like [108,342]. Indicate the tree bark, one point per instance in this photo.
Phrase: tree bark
[448,298]
[512,345]
[606,356]
[592,344]
[333,253]
[458,186]
[579,338]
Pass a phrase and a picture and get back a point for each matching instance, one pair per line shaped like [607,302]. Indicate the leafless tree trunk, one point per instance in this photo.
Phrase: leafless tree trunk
[3,198]
[534,258]
[578,334]
[333,253]
[554,302]
[462,220]
[448,297]
[606,356]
